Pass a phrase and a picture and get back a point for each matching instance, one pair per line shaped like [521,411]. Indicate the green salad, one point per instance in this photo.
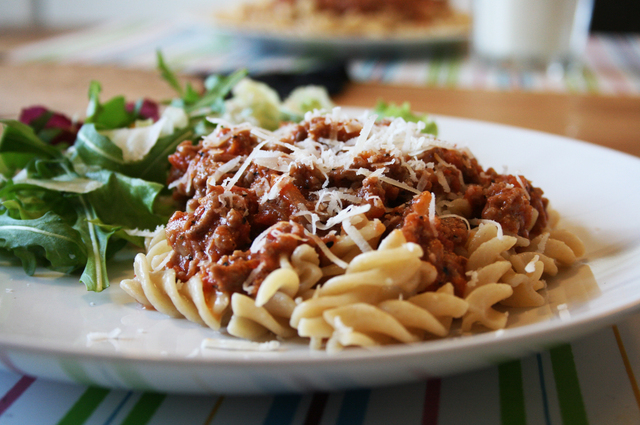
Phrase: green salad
[73,194]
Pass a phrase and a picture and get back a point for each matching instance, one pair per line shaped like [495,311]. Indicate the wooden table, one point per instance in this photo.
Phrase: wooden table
[606,120]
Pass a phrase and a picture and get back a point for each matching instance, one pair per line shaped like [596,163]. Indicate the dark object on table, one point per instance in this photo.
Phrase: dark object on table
[332,76]
[616,16]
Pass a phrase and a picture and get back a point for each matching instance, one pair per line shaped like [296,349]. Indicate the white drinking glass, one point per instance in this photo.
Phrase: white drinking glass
[531,32]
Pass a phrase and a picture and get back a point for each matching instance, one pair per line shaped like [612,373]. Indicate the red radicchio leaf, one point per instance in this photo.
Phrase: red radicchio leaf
[52,127]
[147,110]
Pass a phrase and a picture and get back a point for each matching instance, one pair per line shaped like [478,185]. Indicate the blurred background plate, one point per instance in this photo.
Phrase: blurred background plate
[343,47]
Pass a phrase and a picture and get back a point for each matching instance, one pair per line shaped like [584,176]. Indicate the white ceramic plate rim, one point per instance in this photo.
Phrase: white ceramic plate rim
[522,339]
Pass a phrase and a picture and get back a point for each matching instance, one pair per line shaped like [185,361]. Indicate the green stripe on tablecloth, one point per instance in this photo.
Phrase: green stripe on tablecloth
[144,409]
[84,407]
[512,408]
[570,399]
[434,71]
[454,73]
[590,80]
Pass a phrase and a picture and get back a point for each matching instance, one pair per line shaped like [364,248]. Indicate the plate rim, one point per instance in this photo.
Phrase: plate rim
[579,325]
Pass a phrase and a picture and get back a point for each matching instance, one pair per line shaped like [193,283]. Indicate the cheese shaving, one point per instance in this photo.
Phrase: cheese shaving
[326,251]
[432,214]
[531,266]
[523,186]
[225,168]
[500,234]
[228,184]
[239,345]
[356,236]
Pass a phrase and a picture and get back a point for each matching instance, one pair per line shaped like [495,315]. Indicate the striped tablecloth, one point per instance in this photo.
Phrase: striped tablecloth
[589,381]
[611,63]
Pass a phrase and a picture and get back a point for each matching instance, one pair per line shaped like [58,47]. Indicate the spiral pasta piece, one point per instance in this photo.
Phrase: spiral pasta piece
[245,307]
[562,246]
[155,286]
[481,309]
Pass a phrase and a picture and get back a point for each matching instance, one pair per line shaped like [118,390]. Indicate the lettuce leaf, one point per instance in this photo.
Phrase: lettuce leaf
[48,238]
[403,111]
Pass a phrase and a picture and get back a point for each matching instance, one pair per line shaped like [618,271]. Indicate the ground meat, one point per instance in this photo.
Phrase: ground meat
[212,230]
[244,271]
[404,9]
[307,179]
[439,240]
[319,128]
[213,236]
[519,210]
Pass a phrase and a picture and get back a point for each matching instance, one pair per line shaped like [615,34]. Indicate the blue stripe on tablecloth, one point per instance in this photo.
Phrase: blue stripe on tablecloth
[144,409]
[543,389]
[282,410]
[118,408]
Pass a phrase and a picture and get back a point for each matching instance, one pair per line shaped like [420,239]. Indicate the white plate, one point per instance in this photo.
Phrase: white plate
[446,40]
[46,322]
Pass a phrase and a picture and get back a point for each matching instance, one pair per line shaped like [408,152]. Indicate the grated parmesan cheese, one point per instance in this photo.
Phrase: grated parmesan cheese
[240,345]
[326,251]
[531,266]
[356,236]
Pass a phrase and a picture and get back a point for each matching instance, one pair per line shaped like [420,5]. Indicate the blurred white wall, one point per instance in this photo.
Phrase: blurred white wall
[15,12]
[73,13]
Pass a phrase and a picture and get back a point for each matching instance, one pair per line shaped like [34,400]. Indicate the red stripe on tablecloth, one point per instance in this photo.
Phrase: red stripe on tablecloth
[15,392]
[431,402]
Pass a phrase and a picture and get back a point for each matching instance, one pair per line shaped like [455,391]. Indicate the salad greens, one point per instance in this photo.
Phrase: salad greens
[403,111]
[73,194]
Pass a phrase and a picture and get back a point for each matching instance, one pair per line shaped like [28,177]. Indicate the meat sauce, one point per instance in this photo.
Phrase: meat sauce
[213,237]
[407,9]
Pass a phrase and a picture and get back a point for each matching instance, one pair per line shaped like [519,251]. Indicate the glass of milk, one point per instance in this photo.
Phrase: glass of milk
[531,32]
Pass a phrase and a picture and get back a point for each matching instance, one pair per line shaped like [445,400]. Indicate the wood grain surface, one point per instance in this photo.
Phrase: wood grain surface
[605,120]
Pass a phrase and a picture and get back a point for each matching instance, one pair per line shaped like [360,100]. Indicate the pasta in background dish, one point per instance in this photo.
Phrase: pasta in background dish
[348,232]
[368,19]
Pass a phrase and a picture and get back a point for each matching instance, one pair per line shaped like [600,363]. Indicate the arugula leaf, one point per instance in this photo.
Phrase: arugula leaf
[49,238]
[10,162]
[217,88]
[100,152]
[95,239]
[212,100]
[29,201]
[135,199]
[20,138]
[97,150]
[110,115]
[28,259]
[403,111]
[155,166]
[168,75]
